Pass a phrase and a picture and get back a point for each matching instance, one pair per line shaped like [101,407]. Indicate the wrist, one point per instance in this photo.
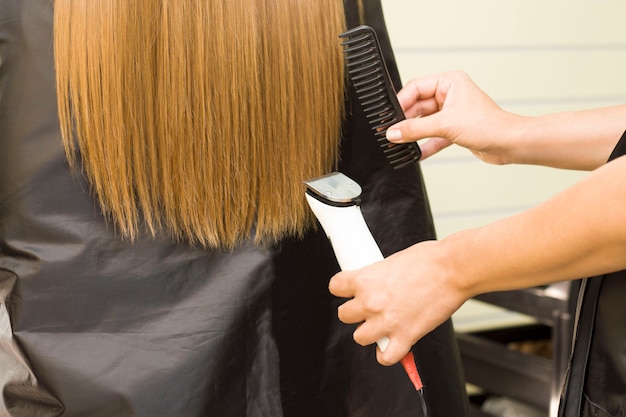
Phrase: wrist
[517,145]
[459,259]
[503,138]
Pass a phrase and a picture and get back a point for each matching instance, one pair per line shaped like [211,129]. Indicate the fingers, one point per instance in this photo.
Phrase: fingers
[419,90]
[412,130]
[396,350]
[432,146]
[425,104]
[351,312]
[417,101]
[420,108]
[341,286]
[370,332]
[367,308]
[361,308]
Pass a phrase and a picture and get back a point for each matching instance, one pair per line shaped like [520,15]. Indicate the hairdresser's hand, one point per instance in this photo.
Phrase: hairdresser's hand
[450,108]
[403,297]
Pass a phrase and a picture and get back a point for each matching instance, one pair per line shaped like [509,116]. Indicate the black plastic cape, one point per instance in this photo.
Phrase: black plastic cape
[92,326]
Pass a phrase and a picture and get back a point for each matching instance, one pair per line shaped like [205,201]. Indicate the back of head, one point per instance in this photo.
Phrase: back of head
[200,119]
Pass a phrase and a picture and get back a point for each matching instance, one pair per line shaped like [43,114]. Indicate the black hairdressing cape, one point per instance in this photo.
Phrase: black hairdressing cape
[92,326]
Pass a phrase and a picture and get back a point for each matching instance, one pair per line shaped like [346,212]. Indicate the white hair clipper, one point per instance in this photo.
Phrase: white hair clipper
[335,201]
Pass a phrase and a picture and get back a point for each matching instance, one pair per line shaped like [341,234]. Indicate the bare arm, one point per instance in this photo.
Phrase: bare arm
[573,140]
[580,232]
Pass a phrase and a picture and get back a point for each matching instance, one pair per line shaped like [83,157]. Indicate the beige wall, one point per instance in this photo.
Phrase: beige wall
[532,57]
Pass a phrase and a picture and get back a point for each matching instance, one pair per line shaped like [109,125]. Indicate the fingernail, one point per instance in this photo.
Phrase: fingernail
[394,135]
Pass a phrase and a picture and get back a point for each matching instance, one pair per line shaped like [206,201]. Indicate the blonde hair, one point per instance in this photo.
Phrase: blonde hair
[201,118]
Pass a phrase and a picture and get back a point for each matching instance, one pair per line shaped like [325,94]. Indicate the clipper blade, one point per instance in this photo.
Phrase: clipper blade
[368,74]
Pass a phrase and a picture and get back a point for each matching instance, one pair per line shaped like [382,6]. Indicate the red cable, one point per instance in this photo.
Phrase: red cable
[408,362]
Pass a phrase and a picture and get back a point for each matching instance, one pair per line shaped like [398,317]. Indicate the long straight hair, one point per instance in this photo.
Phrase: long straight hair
[200,119]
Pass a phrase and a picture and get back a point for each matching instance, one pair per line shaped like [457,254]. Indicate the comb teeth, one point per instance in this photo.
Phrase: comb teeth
[368,74]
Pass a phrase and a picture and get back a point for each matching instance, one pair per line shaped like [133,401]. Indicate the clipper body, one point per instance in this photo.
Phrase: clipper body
[335,201]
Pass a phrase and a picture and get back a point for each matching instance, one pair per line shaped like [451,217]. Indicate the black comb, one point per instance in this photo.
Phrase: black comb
[369,76]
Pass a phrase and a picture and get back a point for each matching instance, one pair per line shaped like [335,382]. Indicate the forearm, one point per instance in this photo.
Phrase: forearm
[573,140]
[578,233]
